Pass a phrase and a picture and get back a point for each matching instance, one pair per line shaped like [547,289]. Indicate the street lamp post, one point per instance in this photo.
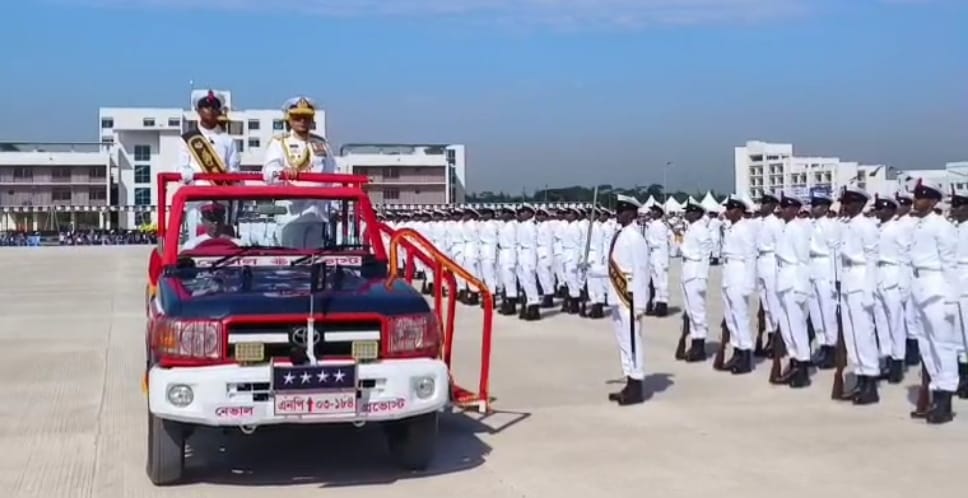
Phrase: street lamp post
[665,174]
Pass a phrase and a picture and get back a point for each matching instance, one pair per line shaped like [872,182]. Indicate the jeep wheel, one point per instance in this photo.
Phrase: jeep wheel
[413,441]
[166,451]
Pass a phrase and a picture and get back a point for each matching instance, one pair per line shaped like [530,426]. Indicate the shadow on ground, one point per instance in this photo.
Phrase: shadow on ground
[334,456]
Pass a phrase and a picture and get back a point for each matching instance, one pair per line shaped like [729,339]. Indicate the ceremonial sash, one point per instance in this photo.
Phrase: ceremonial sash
[203,153]
[617,276]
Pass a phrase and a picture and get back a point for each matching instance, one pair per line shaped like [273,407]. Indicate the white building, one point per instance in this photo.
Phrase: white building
[48,186]
[408,173]
[954,175]
[767,167]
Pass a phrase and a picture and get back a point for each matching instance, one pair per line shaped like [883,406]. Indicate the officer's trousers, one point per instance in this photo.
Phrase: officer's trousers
[597,283]
[940,343]
[529,282]
[546,274]
[628,335]
[823,311]
[571,276]
[766,287]
[660,280]
[736,311]
[889,319]
[472,264]
[694,298]
[489,274]
[508,276]
[558,262]
[857,313]
[793,324]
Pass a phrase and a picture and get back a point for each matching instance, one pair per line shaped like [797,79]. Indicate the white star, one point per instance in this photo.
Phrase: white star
[305,377]
[322,376]
[339,375]
[289,377]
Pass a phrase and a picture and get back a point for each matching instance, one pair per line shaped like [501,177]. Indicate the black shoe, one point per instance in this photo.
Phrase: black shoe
[787,374]
[744,363]
[867,395]
[941,408]
[731,361]
[912,354]
[633,394]
[573,307]
[697,351]
[548,302]
[532,314]
[801,375]
[661,309]
[895,371]
[860,383]
[826,358]
[597,311]
[885,365]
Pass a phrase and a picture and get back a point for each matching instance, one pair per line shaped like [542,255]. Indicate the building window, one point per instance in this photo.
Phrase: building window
[97,172]
[191,125]
[391,194]
[174,122]
[278,125]
[23,173]
[61,173]
[391,172]
[107,122]
[108,141]
[239,144]
[97,194]
[253,143]
[142,173]
[236,128]
[253,124]
[142,152]
[148,122]
[142,196]
[60,194]
[141,219]
[451,156]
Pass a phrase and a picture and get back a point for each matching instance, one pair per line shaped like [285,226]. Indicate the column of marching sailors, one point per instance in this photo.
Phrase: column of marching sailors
[886,284]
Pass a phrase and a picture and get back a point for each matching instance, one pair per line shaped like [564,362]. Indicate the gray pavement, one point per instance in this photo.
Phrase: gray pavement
[73,422]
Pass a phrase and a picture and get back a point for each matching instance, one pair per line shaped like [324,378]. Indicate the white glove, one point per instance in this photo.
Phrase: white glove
[187,174]
[271,175]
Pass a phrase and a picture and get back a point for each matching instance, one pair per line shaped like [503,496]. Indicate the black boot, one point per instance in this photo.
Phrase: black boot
[462,296]
[508,306]
[895,371]
[787,374]
[633,393]
[661,309]
[548,301]
[826,358]
[868,395]
[532,314]
[801,375]
[697,351]
[617,395]
[731,361]
[885,365]
[524,308]
[860,383]
[573,307]
[941,408]
[912,354]
[744,362]
[566,304]
[473,299]
[597,311]
[962,391]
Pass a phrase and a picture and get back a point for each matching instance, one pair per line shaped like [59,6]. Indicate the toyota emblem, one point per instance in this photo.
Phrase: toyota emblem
[301,334]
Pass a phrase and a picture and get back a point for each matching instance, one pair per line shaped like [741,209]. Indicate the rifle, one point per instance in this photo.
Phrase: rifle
[779,351]
[923,404]
[681,348]
[585,264]
[760,328]
[718,362]
[840,355]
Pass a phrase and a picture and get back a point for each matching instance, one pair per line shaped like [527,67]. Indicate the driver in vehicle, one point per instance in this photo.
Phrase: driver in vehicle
[213,229]
[300,151]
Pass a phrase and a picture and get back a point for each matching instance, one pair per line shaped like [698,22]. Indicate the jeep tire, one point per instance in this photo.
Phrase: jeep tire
[413,441]
[166,451]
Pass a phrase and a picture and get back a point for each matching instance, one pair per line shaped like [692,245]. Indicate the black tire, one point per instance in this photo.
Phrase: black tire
[166,451]
[413,441]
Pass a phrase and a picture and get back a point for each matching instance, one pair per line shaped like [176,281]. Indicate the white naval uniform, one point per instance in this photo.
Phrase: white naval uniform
[546,258]
[507,257]
[715,226]
[454,243]
[912,318]
[224,146]
[572,254]
[739,281]
[487,231]
[934,291]
[629,252]
[304,225]
[793,286]
[893,282]
[558,252]
[597,282]
[471,255]
[824,244]
[658,235]
[858,256]
[767,234]
[583,228]
[527,244]
[696,249]
[961,325]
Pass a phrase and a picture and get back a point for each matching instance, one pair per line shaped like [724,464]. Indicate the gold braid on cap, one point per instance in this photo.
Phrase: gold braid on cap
[302,107]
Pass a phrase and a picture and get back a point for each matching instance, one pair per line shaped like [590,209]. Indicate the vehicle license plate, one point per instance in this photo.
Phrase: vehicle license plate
[316,403]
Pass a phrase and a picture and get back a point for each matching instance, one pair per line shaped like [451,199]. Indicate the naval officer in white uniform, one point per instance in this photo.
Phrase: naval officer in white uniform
[299,151]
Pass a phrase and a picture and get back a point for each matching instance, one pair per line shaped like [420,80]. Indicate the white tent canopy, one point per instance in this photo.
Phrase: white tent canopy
[709,203]
[650,202]
[672,206]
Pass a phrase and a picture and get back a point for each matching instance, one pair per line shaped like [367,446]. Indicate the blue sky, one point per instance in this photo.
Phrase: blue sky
[551,92]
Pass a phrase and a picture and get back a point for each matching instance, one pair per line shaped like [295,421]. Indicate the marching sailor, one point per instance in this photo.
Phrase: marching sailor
[572,252]
[558,225]
[597,283]
[912,322]
[768,232]
[696,250]
[892,284]
[793,290]
[488,229]
[546,241]
[299,151]
[628,273]
[526,235]
[824,242]
[935,293]
[507,260]
[206,149]
[858,258]
[959,213]
[471,256]
[739,283]
[658,235]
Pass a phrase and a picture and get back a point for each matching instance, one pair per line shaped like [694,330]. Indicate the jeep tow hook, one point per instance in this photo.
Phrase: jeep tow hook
[248,430]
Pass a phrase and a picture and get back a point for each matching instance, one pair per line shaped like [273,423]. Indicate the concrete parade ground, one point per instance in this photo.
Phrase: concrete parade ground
[73,422]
